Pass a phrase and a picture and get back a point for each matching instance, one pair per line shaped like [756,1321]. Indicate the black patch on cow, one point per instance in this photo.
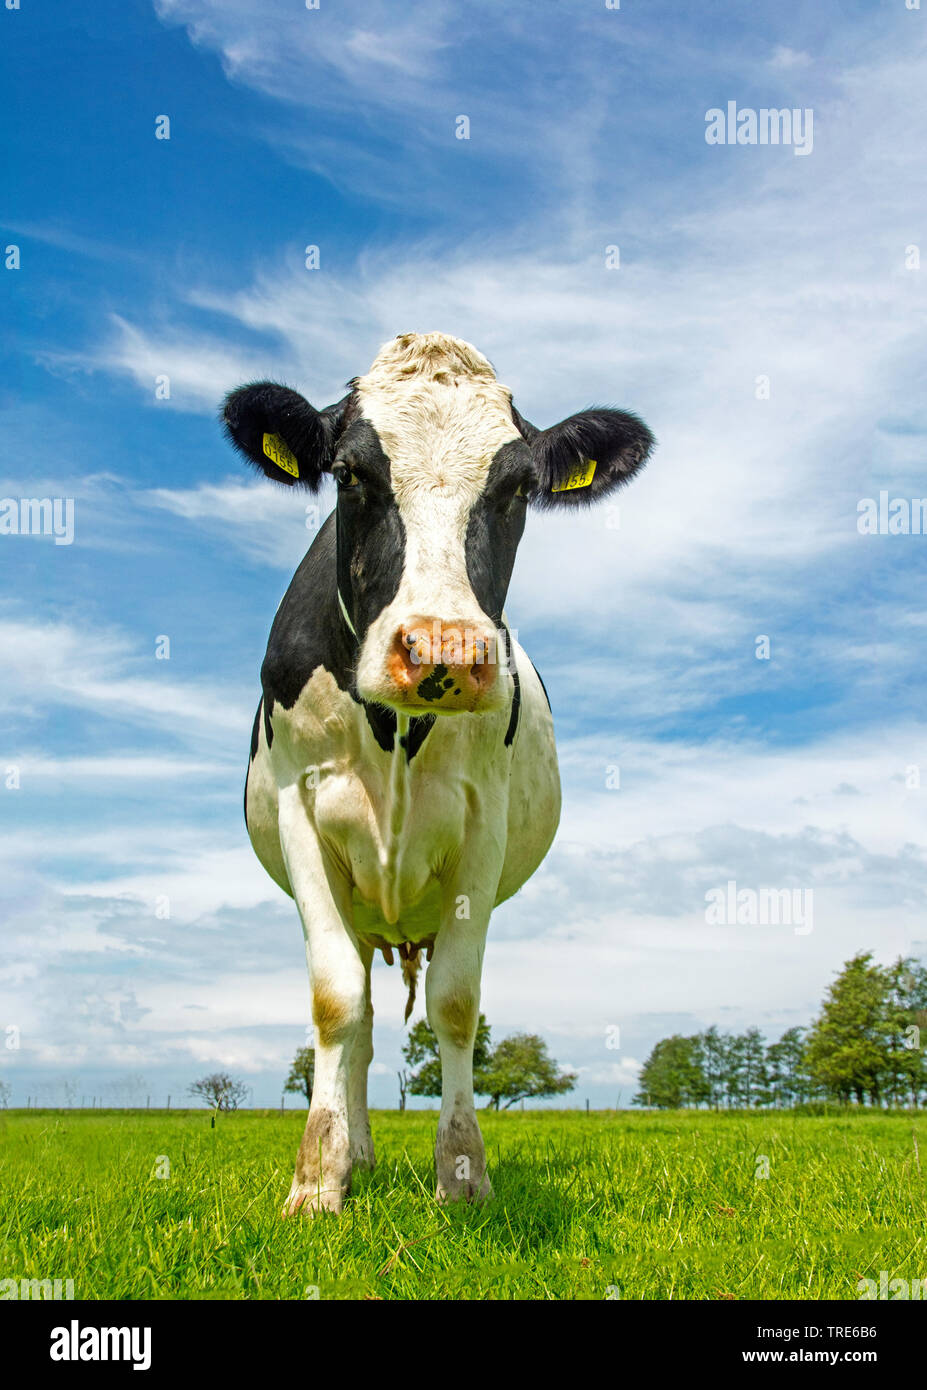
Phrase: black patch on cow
[309,630]
[360,549]
[516,707]
[497,520]
[419,728]
[255,740]
[371,537]
[505,637]
[544,688]
[256,731]
[433,687]
[382,723]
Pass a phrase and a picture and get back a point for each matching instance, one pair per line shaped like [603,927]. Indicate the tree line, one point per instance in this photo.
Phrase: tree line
[517,1068]
[864,1048]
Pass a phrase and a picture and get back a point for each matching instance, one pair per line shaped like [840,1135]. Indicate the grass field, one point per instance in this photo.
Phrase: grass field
[654,1206]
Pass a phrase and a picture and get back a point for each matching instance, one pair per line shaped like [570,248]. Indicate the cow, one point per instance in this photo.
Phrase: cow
[403,776]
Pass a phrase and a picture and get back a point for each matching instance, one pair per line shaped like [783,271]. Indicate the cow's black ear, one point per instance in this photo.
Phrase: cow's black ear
[587,456]
[281,434]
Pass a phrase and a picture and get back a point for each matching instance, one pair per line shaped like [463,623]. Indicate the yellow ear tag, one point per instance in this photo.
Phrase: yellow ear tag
[580,475]
[276,450]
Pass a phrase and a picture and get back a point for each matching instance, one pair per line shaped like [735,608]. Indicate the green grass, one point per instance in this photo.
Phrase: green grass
[657,1206]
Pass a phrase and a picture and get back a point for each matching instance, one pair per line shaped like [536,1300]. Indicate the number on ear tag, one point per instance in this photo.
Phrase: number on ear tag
[580,475]
[277,451]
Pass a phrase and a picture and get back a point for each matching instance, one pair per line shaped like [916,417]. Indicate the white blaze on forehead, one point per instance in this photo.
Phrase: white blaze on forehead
[440,414]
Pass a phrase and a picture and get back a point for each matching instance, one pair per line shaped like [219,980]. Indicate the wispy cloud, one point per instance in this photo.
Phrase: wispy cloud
[53,664]
[268,523]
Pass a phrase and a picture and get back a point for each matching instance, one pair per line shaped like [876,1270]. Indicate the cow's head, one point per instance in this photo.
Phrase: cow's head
[435,470]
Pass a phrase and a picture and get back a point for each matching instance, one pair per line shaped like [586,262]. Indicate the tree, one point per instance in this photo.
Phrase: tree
[5,1092]
[788,1079]
[846,1050]
[302,1074]
[916,986]
[422,1051]
[905,1021]
[714,1063]
[672,1076]
[517,1068]
[520,1068]
[220,1090]
[747,1078]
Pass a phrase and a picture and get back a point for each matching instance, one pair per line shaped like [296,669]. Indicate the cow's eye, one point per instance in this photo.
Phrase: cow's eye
[345,476]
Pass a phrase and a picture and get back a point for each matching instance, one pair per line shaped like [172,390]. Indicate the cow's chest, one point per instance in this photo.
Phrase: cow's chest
[393,840]
[395,826]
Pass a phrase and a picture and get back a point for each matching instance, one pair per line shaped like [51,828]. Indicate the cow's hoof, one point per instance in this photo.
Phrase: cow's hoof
[362,1157]
[464,1189]
[312,1200]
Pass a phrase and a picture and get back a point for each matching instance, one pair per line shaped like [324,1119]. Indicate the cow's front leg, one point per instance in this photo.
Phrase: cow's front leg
[361,1056]
[452,994]
[340,1012]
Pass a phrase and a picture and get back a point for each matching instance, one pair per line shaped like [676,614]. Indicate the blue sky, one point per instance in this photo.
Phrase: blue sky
[142,258]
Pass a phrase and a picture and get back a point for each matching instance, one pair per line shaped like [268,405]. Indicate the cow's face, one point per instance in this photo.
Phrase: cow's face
[435,470]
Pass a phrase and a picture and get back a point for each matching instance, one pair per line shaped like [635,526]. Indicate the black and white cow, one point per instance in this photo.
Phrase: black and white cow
[403,776]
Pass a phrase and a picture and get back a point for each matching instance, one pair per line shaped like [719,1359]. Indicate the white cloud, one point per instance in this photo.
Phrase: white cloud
[128,768]
[198,372]
[788,58]
[50,664]
[270,524]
